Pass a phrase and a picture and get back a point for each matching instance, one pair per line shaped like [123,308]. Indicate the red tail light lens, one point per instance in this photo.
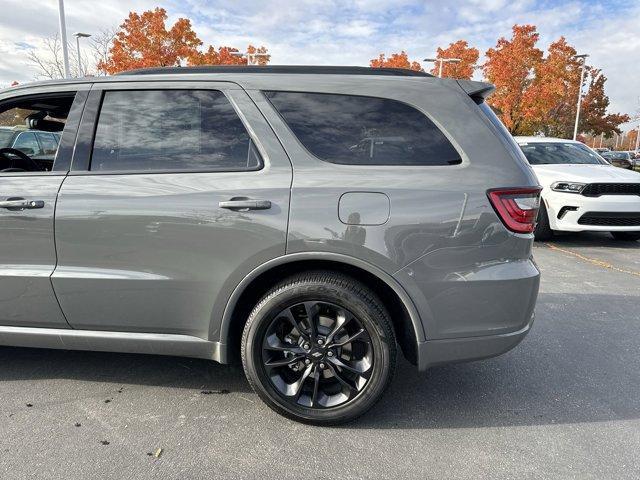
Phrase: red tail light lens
[516,207]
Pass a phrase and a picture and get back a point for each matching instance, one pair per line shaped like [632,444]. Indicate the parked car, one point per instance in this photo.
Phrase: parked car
[633,157]
[601,150]
[39,145]
[581,191]
[619,159]
[310,220]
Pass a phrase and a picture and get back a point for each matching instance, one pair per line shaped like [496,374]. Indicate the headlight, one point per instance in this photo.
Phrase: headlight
[568,187]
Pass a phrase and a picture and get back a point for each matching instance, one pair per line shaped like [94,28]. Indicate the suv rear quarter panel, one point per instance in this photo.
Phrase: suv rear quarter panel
[442,240]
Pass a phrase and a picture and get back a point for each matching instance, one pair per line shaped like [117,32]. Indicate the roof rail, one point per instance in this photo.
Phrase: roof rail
[289,69]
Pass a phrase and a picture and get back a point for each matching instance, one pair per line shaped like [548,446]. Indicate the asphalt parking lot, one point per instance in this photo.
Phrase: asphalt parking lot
[564,404]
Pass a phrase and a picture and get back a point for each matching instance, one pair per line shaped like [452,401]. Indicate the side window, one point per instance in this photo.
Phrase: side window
[356,130]
[27,143]
[181,130]
[34,124]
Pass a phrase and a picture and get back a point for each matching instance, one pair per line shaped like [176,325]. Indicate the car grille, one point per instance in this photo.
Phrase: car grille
[597,189]
[611,219]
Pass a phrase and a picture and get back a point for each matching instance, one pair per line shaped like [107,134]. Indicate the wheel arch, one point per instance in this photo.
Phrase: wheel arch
[405,317]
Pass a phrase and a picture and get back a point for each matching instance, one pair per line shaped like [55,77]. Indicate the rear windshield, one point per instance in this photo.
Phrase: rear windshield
[553,153]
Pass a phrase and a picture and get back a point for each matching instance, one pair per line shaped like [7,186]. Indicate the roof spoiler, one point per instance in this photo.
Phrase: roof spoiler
[477,90]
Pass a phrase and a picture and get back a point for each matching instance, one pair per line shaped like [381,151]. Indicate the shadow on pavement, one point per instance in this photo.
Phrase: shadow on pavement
[591,239]
[579,364]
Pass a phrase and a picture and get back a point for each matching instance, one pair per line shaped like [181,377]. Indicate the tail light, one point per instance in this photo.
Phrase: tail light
[516,207]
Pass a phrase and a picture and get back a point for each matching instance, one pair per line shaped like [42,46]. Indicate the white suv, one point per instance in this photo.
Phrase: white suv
[581,191]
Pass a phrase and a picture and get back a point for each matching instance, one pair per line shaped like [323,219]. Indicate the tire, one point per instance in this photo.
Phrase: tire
[330,388]
[626,236]
[543,231]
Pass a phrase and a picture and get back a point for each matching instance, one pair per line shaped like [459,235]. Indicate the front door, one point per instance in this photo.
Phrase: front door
[28,191]
[181,191]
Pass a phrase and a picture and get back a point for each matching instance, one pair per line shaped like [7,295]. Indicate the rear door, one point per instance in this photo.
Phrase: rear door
[182,190]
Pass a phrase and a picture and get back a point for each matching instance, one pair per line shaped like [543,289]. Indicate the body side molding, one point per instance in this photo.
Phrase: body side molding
[119,342]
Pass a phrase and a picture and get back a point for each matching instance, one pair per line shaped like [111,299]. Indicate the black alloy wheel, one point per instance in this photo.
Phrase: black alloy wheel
[319,348]
[317,354]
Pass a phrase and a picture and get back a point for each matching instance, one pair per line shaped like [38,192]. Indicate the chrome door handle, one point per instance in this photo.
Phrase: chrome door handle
[245,204]
[21,204]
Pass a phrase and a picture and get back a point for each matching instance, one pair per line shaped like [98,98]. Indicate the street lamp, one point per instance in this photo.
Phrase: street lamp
[441,61]
[78,36]
[584,60]
[63,38]
[251,57]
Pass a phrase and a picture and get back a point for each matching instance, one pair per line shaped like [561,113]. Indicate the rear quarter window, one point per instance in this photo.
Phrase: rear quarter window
[357,130]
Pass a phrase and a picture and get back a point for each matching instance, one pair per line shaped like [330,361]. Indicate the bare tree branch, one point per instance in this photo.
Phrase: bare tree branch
[48,59]
[100,46]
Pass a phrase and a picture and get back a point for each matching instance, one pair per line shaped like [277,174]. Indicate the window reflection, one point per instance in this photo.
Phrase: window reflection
[171,130]
[350,129]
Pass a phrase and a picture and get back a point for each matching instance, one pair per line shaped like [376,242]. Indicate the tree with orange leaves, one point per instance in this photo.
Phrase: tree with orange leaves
[553,93]
[594,117]
[144,41]
[510,67]
[463,69]
[395,60]
[228,56]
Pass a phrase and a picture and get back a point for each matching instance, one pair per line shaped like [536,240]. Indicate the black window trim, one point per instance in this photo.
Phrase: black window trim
[73,121]
[81,162]
[463,159]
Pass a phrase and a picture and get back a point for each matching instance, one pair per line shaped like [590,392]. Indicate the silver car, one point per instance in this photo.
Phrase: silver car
[312,221]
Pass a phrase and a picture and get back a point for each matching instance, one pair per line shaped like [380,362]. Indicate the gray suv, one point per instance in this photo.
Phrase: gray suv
[312,221]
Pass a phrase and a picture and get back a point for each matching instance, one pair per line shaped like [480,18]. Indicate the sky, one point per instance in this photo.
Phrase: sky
[352,32]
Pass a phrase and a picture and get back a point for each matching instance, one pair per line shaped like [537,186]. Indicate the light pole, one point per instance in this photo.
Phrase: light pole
[638,138]
[78,36]
[63,38]
[442,61]
[584,59]
[251,57]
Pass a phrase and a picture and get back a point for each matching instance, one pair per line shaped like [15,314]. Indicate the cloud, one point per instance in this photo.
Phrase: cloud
[355,31]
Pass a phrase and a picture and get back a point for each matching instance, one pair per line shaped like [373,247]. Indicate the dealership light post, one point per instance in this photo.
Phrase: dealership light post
[584,60]
[78,36]
[63,38]
[441,61]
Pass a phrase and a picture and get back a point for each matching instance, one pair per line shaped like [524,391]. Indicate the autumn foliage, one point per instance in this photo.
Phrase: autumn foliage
[395,60]
[535,93]
[468,59]
[145,41]
[510,66]
[538,94]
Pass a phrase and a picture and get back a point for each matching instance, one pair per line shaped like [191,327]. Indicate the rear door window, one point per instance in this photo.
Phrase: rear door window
[357,130]
[171,130]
